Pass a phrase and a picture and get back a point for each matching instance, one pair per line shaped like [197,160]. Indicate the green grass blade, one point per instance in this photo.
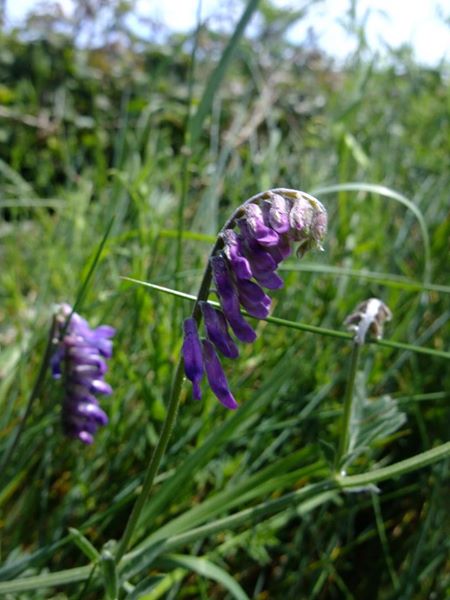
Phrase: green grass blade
[205,568]
[305,327]
[419,461]
[386,192]
[213,85]
[44,581]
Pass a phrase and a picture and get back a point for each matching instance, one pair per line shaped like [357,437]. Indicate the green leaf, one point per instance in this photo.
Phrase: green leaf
[409,465]
[386,192]
[205,568]
[47,580]
[110,577]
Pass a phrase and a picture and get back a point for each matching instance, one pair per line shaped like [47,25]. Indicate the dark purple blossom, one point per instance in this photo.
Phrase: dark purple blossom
[262,233]
[80,361]
[216,377]
[217,330]
[233,250]
[241,266]
[192,356]
[229,299]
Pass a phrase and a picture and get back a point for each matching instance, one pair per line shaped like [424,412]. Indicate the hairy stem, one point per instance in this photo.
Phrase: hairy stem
[348,408]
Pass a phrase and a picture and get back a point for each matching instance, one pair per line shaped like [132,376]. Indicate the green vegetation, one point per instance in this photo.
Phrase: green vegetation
[167,139]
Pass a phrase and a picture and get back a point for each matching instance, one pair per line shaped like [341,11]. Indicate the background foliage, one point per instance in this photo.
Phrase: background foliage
[101,129]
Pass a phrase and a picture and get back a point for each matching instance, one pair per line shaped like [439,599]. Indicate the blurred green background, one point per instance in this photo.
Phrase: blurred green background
[168,135]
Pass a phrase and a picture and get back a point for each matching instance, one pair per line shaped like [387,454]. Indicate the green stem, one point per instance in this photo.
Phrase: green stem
[155,461]
[167,427]
[348,407]
[34,394]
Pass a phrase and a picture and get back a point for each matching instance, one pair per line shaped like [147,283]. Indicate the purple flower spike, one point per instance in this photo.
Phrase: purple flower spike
[234,252]
[192,355]
[79,359]
[216,377]
[244,263]
[217,330]
[254,218]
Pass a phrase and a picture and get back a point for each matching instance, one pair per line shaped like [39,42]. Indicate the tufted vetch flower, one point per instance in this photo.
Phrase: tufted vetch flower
[79,361]
[243,264]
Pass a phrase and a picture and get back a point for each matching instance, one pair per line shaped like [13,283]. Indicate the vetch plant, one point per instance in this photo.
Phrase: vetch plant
[80,362]
[242,264]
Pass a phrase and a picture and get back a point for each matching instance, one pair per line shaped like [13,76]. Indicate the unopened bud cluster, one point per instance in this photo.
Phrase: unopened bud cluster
[243,266]
[368,317]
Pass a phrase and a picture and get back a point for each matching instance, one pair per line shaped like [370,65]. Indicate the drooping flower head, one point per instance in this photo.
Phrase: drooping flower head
[368,317]
[80,361]
[244,261]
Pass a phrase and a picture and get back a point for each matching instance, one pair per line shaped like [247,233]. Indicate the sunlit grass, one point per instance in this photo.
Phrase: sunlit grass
[265,123]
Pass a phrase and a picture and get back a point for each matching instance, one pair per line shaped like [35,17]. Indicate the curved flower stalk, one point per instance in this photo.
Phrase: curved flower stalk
[368,317]
[79,359]
[243,264]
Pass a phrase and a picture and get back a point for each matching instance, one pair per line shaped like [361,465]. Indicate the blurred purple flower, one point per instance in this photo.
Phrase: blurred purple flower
[245,263]
[79,360]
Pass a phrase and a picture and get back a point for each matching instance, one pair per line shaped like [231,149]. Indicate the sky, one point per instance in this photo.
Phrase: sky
[391,22]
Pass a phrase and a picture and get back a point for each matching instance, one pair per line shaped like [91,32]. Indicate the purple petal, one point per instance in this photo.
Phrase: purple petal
[79,393]
[85,437]
[216,377]
[100,387]
[258,229]
[259,257]
[217,329]
[105,347]
[234,252]
[225,287]
[55,362]
[89,411]
[192,356]
[73,423]
[241,328]
[253,299]
[84,357]
[271,281]
[104,331]
[91,371]
[229,300]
